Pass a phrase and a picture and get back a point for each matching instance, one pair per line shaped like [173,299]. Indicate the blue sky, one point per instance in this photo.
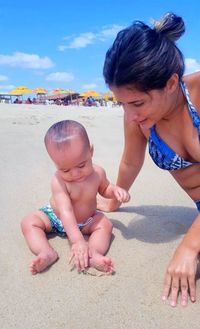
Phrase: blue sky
[62,44]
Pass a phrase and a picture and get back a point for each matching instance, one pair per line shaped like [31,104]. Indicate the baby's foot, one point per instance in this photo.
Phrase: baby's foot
[101,263]
[42,261]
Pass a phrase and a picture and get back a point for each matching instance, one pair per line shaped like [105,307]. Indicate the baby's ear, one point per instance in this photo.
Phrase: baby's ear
[91,149]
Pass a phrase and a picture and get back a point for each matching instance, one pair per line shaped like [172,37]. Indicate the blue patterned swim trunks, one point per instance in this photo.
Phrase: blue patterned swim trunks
[57,226]
[197,202]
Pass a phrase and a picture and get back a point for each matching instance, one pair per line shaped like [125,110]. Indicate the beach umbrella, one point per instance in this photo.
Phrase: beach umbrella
[109,95]
[40,90]
[58,91]
[89,93]
[21,90]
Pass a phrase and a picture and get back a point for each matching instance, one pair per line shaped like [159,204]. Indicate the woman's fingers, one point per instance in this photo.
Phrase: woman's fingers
[184,291]
[167,287]
[192,288]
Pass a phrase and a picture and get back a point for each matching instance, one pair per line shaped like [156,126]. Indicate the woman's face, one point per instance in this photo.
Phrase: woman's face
[144,108]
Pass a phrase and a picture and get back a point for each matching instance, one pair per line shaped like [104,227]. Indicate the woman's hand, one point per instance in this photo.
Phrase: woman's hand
[107,205]
[180,276]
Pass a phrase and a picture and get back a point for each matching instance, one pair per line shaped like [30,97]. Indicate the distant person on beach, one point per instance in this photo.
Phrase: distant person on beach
[17,101]
[72,208]
[28,101]
[144,68]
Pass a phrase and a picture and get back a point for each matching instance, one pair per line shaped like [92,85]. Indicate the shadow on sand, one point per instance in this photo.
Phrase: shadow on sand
[155,223]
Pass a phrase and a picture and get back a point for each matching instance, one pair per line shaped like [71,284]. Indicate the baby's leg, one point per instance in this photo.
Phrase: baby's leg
[34,228]
[100,231]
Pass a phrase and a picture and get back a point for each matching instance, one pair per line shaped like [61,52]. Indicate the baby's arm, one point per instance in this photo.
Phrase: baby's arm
[79,247]
[110,191]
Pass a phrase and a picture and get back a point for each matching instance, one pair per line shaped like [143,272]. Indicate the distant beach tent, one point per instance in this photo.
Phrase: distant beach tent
[20,91]
[60,93]
[70,92]
[91,93]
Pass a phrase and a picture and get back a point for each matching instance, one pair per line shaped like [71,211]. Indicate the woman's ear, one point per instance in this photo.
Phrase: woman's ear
[91,149]
[172,83]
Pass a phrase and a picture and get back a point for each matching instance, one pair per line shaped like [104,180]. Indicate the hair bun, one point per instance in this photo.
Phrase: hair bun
[171,26]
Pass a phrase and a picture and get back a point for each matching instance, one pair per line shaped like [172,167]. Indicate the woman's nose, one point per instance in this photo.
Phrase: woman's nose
[130,114]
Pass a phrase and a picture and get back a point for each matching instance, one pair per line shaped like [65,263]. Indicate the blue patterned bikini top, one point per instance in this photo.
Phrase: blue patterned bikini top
[163,156]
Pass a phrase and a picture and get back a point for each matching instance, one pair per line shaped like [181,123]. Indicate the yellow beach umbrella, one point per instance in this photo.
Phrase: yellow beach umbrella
[92,93]
[109,95]
[21,90]
[40,90]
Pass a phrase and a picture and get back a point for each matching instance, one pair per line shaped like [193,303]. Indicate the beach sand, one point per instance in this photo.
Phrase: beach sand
[145,235]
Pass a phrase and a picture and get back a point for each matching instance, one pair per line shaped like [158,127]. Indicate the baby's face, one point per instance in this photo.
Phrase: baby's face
[74,163]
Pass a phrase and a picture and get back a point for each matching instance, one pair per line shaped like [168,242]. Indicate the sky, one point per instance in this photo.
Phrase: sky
[63,44]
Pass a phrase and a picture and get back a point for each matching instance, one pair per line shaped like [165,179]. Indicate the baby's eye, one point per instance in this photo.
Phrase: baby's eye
[82,165]
[65,171]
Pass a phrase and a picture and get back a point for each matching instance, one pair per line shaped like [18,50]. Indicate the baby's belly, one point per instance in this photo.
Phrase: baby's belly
[82,210]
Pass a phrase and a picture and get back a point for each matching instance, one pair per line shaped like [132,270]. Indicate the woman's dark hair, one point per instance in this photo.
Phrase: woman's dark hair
[146,57]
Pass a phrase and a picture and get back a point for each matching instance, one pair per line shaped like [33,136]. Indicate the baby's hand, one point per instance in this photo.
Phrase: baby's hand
[79,254]
[121,195]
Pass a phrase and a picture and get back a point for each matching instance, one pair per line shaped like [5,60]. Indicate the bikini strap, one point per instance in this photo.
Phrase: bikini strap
[191,108]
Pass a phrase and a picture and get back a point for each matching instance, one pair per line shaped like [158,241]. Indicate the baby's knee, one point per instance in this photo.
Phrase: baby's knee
[108,225]
[30,221]
[25,224]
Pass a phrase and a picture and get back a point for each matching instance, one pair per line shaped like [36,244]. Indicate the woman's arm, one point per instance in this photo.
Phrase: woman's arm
[133,155]
[130,164]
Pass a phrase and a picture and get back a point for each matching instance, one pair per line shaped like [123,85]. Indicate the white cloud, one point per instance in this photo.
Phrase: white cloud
[84,39]
[191,65]
[60,77]
[31,61]
[3,77]
[89,86]
[6,88]
[107,33]
[62,47]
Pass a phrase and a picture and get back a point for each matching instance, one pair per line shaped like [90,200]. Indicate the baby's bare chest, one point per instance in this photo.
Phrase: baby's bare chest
[83,191]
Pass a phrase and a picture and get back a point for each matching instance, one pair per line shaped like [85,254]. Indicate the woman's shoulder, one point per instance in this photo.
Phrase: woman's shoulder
[192,82]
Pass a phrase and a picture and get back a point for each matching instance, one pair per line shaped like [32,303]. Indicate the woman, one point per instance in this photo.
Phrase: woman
[144,69]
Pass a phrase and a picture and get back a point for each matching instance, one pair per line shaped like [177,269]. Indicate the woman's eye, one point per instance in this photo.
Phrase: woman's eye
[138,104]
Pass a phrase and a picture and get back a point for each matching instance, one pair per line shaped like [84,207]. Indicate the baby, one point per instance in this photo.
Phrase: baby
[72,209]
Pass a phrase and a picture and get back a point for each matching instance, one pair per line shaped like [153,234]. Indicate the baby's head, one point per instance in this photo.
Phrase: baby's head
[68,145]
[62,134]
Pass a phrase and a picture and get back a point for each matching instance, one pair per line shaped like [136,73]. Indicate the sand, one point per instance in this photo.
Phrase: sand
[146,232]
